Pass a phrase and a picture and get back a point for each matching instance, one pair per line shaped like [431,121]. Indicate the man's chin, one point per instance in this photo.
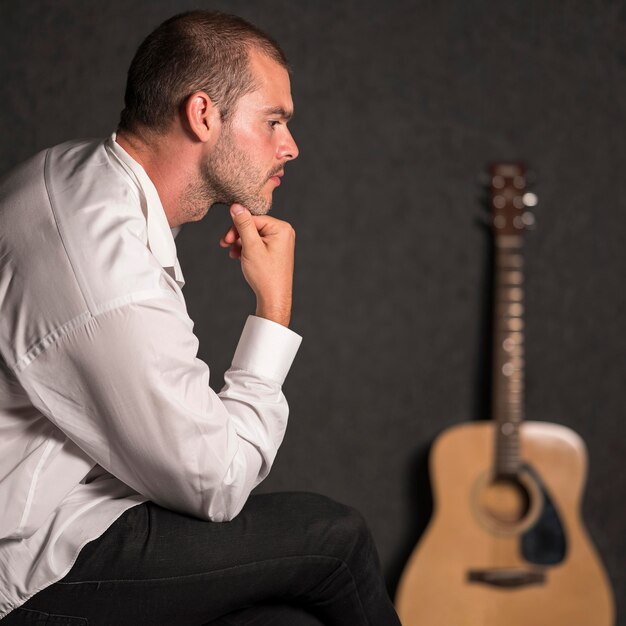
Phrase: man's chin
[260,211]
[260,208]
[257,206]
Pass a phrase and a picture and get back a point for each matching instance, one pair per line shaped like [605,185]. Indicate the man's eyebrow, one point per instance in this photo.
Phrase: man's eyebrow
[287,115]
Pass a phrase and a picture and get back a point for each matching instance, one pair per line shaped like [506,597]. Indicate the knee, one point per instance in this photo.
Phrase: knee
[317,525]
[338,530]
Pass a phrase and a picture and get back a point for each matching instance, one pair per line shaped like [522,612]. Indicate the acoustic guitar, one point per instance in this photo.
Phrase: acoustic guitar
[506,545]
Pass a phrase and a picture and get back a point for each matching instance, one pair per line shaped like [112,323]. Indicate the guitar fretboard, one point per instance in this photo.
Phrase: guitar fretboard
[508,356]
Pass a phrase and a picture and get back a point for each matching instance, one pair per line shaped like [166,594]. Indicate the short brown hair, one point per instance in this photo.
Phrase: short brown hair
[193,51]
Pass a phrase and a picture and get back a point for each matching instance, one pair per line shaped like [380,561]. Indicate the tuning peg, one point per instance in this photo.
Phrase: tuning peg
[528,220]
[530,199]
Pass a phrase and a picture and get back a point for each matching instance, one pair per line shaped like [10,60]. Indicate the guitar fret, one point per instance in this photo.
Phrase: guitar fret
[515,294]
[510,277]
[511,399]
[510,309]
[512,415]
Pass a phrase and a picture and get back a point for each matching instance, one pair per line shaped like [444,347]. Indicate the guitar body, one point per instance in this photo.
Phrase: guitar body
[506,555]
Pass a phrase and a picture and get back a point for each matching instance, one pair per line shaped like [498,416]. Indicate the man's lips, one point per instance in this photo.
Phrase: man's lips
[276,178]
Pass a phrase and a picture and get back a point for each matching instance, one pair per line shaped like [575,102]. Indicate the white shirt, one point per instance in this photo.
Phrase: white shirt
[103,401]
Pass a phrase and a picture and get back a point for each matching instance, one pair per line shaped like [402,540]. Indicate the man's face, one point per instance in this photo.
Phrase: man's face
[248,159]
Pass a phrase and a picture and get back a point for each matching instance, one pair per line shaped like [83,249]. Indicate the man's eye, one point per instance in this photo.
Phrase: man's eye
[273,123]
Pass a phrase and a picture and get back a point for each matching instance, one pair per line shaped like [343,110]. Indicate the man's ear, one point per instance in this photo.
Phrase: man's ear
[202,116]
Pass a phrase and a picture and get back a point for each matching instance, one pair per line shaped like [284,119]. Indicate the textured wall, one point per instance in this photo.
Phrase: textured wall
[399,107]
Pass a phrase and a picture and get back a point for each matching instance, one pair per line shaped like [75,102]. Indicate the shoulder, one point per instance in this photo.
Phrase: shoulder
[66,178]
[80,173]
[72,239]
[69,196]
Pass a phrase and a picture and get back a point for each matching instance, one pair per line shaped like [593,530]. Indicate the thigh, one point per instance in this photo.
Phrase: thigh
[152,542]
[154,566]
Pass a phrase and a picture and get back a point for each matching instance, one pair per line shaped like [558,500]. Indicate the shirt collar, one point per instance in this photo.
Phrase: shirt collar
[160,235]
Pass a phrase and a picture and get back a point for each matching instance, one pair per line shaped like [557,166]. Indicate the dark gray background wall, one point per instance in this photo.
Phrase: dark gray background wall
[399,107]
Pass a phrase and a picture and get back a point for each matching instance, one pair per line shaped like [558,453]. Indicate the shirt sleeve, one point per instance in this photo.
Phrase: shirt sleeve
[127,387]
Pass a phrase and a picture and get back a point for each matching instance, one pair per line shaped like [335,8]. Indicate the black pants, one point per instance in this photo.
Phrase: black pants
[288,559]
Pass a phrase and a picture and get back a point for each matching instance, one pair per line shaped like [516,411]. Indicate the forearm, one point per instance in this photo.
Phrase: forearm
[130,392]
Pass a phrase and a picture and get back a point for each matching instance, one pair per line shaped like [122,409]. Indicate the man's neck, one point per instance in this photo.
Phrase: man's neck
[169,168]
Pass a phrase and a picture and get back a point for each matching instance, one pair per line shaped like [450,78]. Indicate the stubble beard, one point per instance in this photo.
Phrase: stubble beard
[227,176]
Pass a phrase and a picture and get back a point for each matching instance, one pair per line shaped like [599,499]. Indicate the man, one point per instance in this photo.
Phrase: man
[117,460]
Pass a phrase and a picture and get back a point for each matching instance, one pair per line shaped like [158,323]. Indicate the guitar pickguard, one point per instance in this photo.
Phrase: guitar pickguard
[544,543]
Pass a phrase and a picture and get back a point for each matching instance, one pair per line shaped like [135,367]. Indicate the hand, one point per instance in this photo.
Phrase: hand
[265,246]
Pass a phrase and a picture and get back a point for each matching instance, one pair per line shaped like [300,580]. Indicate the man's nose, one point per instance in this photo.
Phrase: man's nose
[288,149]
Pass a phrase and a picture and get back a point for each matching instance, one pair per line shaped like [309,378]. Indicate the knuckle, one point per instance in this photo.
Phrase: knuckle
[287,229]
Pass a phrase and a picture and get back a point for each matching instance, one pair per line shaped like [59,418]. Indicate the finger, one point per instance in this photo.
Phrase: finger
[268,226]
[245,225]
[230,236]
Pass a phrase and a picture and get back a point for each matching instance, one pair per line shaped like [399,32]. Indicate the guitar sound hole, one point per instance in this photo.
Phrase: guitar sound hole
[505,500]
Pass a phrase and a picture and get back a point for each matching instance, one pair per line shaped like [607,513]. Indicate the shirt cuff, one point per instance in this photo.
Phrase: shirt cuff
[266,349]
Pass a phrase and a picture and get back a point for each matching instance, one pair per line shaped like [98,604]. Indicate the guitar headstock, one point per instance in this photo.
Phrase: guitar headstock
[510,199]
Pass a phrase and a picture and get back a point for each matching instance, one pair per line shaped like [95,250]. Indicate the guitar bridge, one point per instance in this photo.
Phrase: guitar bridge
[510,578]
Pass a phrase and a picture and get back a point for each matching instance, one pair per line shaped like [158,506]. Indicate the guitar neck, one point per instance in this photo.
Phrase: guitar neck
[508,184]
[508,357]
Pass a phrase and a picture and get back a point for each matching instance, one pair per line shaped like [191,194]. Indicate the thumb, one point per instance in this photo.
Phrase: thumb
[242,218]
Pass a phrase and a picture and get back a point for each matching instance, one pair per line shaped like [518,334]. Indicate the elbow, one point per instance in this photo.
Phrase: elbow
[220,493]
[224,500]
[221,516]
[214,504]
[219,509]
